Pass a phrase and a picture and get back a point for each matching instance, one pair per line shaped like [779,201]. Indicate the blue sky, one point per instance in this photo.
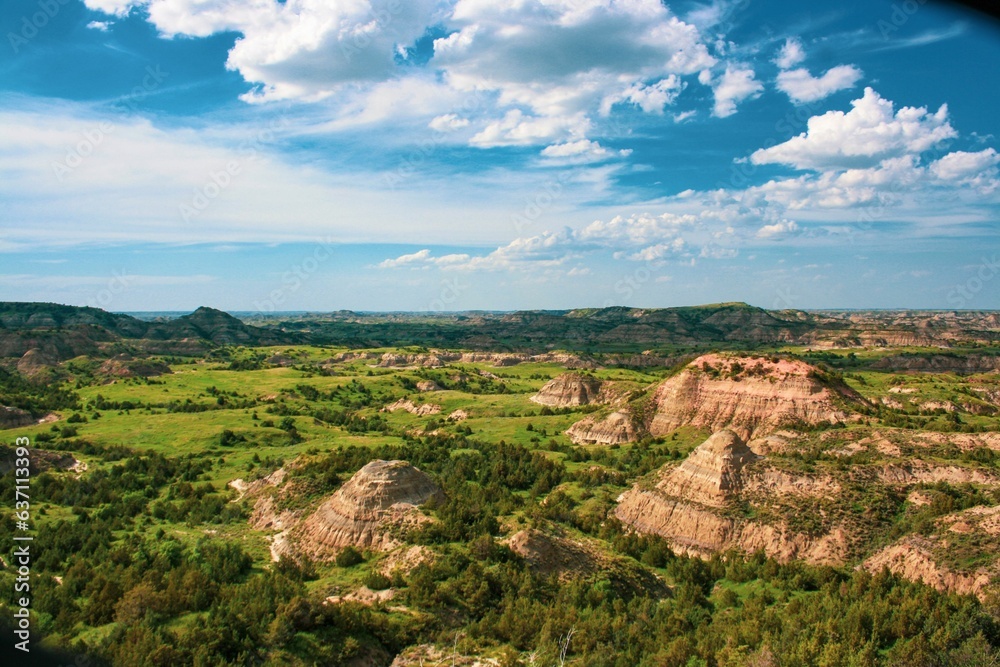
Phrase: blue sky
[498,154]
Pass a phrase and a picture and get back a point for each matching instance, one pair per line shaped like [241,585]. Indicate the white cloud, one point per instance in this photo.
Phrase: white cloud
[101,26]
[417,258]
[639,237]
[801,86]
[554,63]
[105,198]
[659,251]
[791,54]
[305,49]
[961,167]
[558,62]
[882,184]
[519,129]
[735,85]
[862,137]
[653,98]
[448,123]
[582,150]
[777,229]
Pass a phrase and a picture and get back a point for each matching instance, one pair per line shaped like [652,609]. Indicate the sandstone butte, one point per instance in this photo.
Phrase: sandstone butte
[367,511]
[617,428]
[745,395]
[568,390]
[751,396]
[686,507]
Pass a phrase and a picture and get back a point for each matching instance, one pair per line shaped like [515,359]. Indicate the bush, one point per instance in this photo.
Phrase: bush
[349,557]
[377,581]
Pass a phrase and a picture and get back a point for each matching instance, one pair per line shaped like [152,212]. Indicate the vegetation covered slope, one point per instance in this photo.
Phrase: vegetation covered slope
[165,510]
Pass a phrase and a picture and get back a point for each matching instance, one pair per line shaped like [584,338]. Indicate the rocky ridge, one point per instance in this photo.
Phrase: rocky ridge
[750,396]
[367,511]
[689,506]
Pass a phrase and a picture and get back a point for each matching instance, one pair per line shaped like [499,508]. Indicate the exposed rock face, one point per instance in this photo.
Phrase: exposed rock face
[616,428]
[713,473]
[39,460]
[124,366]
[917,471]
[569,389]
[684,507]
[749,396]
[413,408]
[939,363]
[405,559]
[912,558]
[428,385]
[34,363]
[686,526]
[550,555]
[438,358]
[428,654]
[258,485]
[14,417]
[265,514]
[366,511]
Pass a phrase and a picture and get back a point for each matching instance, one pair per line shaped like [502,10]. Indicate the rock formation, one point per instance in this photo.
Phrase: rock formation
[35,363]
[713,473]
[617,428]
[569,389]
[750,396]
[368,510]
[686,506]
[124,366]
[413,408]
[550,555]
[14,417]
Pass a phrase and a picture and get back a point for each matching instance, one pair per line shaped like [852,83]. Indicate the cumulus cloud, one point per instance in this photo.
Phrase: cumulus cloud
[801,86]
[421,257]
[546,66]
[862,137]
[735,85]
[791,54]
[777,229]
[448,123]
[582,150]
[978,170]
[653,98]
[638,237]
[296,50]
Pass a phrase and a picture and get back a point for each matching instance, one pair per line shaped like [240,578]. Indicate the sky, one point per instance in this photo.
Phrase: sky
[421,155]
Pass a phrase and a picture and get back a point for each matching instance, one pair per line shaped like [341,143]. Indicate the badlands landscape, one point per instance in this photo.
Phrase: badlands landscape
[720,486]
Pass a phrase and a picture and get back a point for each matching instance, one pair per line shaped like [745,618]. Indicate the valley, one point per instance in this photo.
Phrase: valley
[720,485]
